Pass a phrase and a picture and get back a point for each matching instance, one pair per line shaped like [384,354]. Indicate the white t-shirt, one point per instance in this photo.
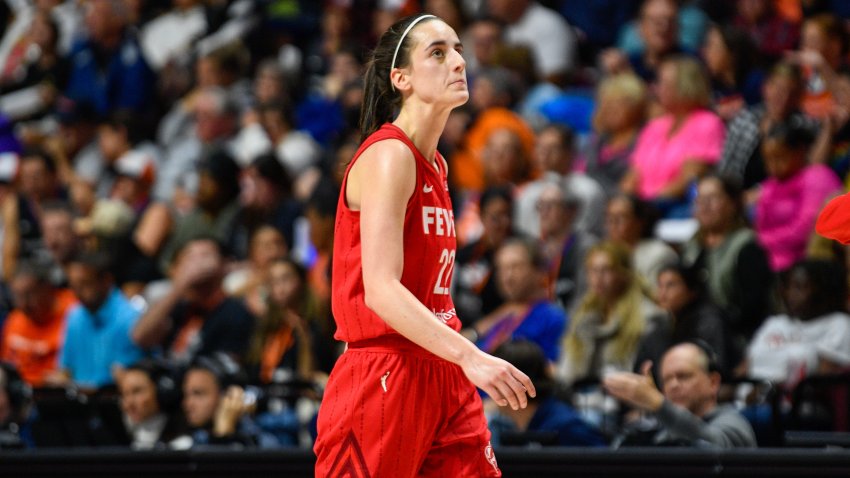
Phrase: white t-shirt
[550,38]
[589,193]
[171,35]
[785,349]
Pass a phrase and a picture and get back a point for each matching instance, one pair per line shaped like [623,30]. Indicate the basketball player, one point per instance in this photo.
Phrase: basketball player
[401,401]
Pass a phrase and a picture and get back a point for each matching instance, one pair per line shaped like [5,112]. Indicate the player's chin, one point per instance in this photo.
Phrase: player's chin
[460,98]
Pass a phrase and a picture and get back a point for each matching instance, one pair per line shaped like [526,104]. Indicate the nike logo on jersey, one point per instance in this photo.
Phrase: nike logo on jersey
[427,188]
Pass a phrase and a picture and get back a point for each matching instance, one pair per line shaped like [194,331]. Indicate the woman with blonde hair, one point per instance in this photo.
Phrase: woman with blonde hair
[621,107]
[611,319]
[680,145]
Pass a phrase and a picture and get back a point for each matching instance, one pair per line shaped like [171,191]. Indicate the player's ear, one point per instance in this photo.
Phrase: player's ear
[400,79]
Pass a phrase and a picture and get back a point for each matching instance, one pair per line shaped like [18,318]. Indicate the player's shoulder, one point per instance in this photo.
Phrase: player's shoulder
[390,153]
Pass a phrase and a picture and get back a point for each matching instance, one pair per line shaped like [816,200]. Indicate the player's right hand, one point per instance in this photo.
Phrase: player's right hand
[503,382]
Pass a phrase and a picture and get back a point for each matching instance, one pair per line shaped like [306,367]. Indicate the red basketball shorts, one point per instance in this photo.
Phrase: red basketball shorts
[393,410]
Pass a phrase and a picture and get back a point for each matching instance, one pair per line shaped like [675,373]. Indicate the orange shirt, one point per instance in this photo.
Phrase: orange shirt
[318,277]
[32,347]
[465,166]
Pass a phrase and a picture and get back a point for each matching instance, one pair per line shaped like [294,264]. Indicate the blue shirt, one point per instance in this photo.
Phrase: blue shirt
[554,421]
[544,324]
[123,81]
[94,343]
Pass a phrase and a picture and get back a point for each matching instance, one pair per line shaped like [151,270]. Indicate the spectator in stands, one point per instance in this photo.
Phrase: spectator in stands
[505,163]
[666,160]
[320,212]
[692,21]
[270,128]
[729,57]
[483,37]
[218,408]
[282,346]
[34,72]
[612,317]
[152,220]
[270,83]
[475,292]
[772,34]
[658,28]
[527,313]
[791,197]
[563,246]
[195,317]
[108,69]
[97,336]
[631,221]
[60,239]
[781,93]
[248,280]
[554,151]
[823,51]
[813,334]
[213,124]
[687,411]
[621,107]
[167,40]
[681,292]
[727,252]
[491,98]
[546,421]
[266,198]
[120,134]
[220,69]
[75,139]
[34,330]
[505,160]
[551,39]
[218,211]
[832,143]
[37,184]
[150,401]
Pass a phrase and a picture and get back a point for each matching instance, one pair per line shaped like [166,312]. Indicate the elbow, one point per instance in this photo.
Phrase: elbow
[372,300]
[375,297]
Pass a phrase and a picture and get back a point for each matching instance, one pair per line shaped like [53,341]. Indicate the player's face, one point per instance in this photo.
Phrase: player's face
[437,70]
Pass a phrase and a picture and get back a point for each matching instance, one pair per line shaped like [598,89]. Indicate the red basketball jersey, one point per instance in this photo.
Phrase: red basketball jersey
[429,249]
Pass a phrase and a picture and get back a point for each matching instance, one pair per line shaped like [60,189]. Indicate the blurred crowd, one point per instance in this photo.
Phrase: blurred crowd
[626,176]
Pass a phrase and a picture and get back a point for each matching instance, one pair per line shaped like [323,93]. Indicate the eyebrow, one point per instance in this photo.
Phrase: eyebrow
[442,43]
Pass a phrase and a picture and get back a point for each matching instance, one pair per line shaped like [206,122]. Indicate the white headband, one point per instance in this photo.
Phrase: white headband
[401,40]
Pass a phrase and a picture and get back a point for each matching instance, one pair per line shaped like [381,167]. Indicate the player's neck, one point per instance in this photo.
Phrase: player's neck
[423,126]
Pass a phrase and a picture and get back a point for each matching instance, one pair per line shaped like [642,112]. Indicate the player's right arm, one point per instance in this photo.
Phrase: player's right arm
[380,185]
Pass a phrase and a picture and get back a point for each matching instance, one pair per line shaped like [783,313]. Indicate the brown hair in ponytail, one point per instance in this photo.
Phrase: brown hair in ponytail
[380,101]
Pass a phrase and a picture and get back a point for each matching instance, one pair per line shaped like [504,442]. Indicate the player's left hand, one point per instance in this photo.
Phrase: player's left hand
[506,384]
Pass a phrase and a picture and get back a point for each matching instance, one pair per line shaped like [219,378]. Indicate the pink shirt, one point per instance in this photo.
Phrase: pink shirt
[658,158]
[786,212]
